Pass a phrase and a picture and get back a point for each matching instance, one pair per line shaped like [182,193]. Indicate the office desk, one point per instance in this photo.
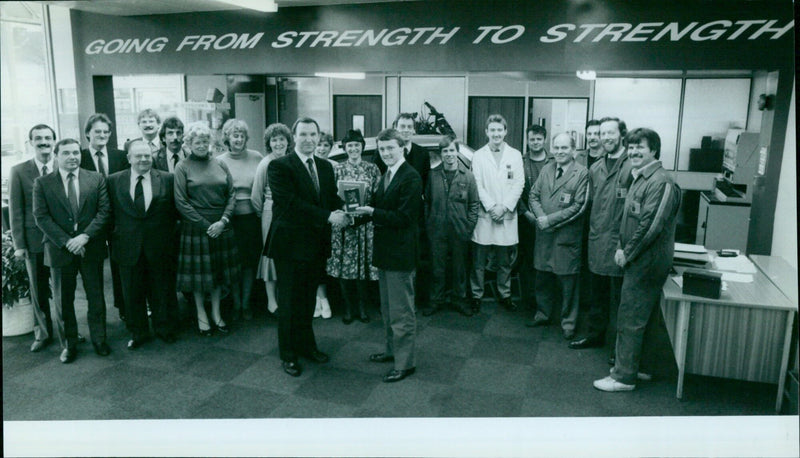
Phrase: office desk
[745,334]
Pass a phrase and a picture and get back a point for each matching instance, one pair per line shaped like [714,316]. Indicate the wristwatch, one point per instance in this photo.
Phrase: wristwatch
[225,220]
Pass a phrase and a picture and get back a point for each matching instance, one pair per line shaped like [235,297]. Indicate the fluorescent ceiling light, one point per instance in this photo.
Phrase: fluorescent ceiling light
[588,75]
[346,76]
[265,6]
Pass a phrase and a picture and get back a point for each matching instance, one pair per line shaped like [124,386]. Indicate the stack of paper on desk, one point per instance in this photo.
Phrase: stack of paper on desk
[691,255]
[739,264]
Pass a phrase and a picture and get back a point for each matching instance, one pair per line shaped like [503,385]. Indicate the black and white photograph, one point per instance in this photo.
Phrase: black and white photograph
[399,228]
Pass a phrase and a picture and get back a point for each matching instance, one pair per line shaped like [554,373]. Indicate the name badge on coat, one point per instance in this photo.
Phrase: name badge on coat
[510,172]
[622,193]
[565,198]
[636,208]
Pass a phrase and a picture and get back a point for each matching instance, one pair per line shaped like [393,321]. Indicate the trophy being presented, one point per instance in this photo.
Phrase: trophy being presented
[353,193]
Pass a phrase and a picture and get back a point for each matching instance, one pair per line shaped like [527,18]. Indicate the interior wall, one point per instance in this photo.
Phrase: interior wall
[559,86]
[371,85]
[197,87]
[784,235]
[446,94]
[495,86]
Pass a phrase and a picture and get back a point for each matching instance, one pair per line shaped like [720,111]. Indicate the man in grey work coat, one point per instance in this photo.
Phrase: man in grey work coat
[645,251]
[610,180]
[559,199]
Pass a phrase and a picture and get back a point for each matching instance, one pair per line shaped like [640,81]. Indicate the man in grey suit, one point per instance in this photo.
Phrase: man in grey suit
[27,237]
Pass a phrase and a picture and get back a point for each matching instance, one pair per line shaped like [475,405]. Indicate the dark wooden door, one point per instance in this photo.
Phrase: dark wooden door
[345,107]
[511,108]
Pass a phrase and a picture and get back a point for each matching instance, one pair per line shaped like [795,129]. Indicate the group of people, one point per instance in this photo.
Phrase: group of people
[175,219]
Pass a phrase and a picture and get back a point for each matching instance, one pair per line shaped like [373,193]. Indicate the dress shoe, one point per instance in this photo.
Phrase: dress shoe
[292,368]
[395,375]
[508,304]
[538,320]
[610,385]
[364,318]
[222,328]
[39,345]
[166,337]
[381,358]
[81,339]
[569,334]
[586,342]
[137,342]
[318,357]
[101,348]
[428,311]
[347,319]
[205,332]
[68,355]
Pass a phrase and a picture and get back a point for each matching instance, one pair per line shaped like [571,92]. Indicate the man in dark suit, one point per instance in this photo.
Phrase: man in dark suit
[420,160]
[105,159]
[143,207]
[305,204]
[27,237]
[395,213]
[71,209]
[171,151]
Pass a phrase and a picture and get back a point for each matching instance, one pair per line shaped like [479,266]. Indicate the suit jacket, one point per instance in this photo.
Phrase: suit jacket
[418,157]
[117,160]
[133,232]
[300,229]
[53,215]
[24,232]
[160,158]
[396,238]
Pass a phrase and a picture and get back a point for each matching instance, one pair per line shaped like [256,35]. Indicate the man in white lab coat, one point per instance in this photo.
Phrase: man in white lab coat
[500,177]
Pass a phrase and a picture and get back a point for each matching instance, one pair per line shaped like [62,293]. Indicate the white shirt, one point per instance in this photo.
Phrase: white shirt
[65,180]
[147,187]
[393,170]
[49,165]
[154,144]
[170,163]
[304,159]
[93,152]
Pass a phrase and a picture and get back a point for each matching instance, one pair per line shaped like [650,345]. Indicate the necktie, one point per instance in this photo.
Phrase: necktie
[152,146]
[44,170]
[72,196]
[138,195]
[100,167]
[313,173]
[559,173]
[175,160]
[387,179]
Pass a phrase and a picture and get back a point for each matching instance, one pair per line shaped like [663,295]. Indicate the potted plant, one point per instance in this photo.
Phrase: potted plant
[17,306]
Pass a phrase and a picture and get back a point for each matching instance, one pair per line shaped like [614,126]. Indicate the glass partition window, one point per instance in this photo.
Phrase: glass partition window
[643,102]
[305,96]
[710,107]
[132,94]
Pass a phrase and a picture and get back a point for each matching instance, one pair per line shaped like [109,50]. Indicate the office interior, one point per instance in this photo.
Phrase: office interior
[727,127]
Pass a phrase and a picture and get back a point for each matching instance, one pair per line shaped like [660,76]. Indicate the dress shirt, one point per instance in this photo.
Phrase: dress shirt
[39,165]
[147,187]
[393,170]
[304,159]
[154,144]
[564,168]
[65,180]
[170,164]
[93,153]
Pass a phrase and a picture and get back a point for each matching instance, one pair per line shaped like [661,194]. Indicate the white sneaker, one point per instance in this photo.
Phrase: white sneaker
[611,385]
[325,308]
[643,376]
[318,309]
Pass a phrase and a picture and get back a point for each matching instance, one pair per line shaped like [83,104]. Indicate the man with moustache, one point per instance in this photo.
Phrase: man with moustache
[148,121]
[611,176]
[171,152]
[533,162]
[644,252]
[71,209]
[26,236]
[559,199]
[594,149]
[142,199]
[105,159]
[306,205]
[395,211]
[500,178]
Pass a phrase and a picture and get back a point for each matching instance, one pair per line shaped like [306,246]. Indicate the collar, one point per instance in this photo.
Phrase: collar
[135,175]
[94,151]
[566,167]
[617,154]
[598,153]
[646,171]
[49,165]
[156,141]
[65,173]
[502,147]
[303,157]
[396,166]
[530,156]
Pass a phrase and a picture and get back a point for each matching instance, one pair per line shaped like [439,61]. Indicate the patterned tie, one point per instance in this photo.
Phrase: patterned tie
[313,173]
[387,179]
[44,170]
[559,173]
[138,195]
[72,196]
[100,167]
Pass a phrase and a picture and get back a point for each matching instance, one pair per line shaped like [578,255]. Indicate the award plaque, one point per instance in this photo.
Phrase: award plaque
[353,193]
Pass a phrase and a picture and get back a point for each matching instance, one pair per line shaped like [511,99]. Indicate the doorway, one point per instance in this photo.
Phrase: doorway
[512,108]
[362,112]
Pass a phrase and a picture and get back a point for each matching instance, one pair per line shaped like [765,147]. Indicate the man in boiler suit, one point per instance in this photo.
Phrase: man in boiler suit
[500,177]
[558,200]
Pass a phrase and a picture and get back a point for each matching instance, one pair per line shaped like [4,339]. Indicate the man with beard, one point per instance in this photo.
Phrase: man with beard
[611,177]
[105,159]
[26,236]
[171,151]
[594,149]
